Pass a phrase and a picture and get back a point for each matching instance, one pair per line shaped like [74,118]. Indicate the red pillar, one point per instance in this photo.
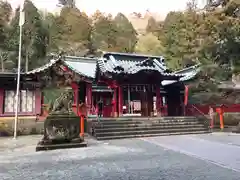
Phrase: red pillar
[82,126]
[120,100]
[158,101]
[75,92]
[89,97]
[186,91]
[115,114]
[186,95]
[38,101]
[221,116]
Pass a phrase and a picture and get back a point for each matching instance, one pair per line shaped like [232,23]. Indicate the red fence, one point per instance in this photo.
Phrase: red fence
[226,108]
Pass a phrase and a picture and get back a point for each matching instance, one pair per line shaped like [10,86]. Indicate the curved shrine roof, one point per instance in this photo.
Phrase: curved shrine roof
[120,63]
[82,65]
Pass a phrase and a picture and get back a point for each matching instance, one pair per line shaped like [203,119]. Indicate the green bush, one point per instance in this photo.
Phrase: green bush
[5,130]
[230,119]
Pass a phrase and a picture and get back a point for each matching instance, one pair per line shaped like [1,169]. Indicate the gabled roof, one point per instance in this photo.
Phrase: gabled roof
[82,65]
[45,67]
[118,63]
[188,74]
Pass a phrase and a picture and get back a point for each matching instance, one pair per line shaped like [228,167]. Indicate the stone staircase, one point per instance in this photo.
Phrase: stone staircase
[129,127]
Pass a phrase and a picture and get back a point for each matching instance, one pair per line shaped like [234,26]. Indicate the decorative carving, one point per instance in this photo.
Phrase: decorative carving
[63,104]
[61,128]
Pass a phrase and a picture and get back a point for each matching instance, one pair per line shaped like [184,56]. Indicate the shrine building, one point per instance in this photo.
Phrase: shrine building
[128,85]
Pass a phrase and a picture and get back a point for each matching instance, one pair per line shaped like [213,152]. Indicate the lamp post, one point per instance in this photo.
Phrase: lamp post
[21,22]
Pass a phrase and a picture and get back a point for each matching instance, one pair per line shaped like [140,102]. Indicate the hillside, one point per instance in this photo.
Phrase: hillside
[140,21]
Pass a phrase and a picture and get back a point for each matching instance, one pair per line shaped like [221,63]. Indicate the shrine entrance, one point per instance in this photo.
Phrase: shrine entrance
[175,100]
[138,100]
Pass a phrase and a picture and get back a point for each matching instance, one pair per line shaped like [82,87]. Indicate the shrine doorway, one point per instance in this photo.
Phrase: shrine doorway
[174,99]
[82,93]
[138,100]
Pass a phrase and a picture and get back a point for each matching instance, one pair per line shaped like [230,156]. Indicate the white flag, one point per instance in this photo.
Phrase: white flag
[22,14]
[22,5]
[22,18]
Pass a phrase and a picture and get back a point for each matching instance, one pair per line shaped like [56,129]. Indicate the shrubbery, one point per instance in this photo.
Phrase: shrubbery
[230,119]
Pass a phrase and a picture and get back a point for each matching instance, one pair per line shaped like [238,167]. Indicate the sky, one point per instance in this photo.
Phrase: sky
[114,6]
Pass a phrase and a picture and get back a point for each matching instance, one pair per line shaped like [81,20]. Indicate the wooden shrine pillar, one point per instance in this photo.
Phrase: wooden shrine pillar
[75,88]
[38,101]
[89,97]
[144,104]
[120,100]
[150,104]
[186,92]
[186,95]
[158,101]
[114,102]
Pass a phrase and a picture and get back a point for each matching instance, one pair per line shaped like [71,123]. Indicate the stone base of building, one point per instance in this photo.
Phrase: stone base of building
[46,147]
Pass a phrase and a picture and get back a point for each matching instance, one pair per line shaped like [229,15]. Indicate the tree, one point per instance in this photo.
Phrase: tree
[149,44]
[173,29]
[104,32]
[222,31]
[34,44]
[5,13]
[51,24]
[74,29]
[126,34]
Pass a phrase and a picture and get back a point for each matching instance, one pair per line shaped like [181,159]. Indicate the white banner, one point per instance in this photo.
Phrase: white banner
[22,18]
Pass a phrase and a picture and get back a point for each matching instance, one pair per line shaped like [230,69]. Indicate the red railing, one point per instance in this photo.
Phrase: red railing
[192,110]
[231,108]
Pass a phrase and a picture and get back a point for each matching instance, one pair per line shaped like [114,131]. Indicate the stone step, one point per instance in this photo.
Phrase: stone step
[127,119]
[149,131]
[128,127]
[122,125]
[143,121]
[150,135]
[144,127]
[117,122]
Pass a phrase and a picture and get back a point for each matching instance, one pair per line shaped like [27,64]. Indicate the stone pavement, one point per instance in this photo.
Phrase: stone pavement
[190,157]
[27,143]
[222,149]
[22,143]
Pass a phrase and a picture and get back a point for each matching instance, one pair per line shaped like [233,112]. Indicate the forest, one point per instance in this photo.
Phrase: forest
[210,36]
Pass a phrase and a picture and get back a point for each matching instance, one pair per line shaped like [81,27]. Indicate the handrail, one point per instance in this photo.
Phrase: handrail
[202,114]
[199,111]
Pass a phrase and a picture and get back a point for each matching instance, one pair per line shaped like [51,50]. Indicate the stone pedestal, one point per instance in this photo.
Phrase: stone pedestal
[61,131]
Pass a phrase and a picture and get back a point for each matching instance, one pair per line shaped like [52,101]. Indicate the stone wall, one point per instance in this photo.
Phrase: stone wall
[26,126]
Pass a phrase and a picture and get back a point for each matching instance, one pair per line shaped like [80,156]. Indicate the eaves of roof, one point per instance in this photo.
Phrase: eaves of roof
[81,65]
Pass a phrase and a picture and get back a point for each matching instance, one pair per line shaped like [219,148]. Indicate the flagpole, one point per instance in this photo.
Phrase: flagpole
[21,22]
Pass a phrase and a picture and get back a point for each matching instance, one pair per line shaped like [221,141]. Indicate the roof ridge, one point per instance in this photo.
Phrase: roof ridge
[132,54]
[80,58]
